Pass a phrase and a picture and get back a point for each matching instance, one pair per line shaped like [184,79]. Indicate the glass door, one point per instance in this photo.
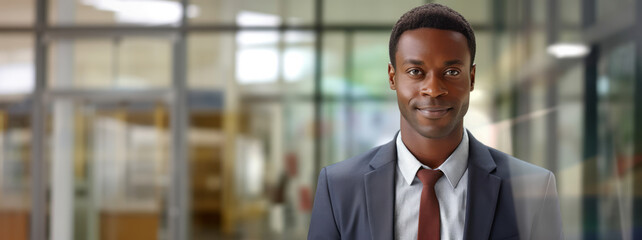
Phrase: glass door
[108,168]
[108,138]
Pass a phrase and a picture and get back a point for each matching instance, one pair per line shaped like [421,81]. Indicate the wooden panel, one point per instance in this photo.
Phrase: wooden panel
[128,225]
[14,224]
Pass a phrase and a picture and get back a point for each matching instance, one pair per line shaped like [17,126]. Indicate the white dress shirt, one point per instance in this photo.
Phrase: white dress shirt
[451,192]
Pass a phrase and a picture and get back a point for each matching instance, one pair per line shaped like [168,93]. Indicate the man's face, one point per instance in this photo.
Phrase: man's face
[433,79]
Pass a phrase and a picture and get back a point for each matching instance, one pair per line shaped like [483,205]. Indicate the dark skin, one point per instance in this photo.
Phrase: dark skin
[433,78]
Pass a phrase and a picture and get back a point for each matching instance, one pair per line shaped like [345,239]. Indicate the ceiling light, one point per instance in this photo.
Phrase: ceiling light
[568,50]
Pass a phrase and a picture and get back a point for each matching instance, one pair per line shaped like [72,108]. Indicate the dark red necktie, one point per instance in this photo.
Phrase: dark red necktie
[429,206]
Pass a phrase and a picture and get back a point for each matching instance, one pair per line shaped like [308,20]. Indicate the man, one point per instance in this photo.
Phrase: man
[434,180]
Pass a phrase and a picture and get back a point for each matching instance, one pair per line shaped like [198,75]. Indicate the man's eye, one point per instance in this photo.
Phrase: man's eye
[452,72]
[414,72]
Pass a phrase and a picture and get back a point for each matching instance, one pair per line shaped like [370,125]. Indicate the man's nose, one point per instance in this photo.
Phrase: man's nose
[433,86]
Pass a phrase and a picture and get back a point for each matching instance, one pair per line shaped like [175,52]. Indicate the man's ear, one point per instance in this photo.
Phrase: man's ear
[472,76]
[391,77]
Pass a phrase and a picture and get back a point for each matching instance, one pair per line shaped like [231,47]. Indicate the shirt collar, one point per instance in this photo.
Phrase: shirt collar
[453,168]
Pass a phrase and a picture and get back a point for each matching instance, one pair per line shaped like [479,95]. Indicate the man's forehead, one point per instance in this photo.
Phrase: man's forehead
[444,43]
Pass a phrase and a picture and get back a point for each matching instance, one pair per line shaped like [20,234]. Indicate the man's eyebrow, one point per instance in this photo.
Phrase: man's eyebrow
[453,62]
[414,62]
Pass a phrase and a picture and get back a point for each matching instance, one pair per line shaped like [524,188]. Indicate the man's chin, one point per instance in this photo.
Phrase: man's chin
[434,132]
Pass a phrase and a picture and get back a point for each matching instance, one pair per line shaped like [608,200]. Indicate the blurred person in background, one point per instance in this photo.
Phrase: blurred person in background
[434,180]
[289,197]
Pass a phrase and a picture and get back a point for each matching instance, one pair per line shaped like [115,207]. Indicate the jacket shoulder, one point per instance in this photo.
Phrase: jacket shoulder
[514,167]
[528,182]
[534,193]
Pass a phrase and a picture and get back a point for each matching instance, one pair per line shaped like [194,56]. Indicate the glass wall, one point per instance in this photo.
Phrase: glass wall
[17,80]
[199,119]
[616,152]
[108,169]
[15,176]
[109,63]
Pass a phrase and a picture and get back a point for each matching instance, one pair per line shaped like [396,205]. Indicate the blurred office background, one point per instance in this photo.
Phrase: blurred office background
[210,119]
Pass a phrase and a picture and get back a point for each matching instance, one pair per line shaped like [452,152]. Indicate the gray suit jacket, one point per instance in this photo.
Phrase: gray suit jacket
[506,197]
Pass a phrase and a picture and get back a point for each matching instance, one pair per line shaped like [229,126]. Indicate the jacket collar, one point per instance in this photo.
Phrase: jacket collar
[380,192]
[386,154]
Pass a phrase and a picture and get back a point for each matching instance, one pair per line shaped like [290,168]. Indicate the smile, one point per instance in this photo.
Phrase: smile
[434,112]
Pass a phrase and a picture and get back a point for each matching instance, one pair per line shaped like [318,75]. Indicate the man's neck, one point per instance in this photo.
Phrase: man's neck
[431,152]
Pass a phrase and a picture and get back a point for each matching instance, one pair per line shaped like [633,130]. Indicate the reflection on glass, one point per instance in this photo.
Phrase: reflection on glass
[15,149]
[108,170]
[370,65]
[271,62]
[295,60]
[362,12]
[334,145]
[17,74]
[248,18]
[298,62]
[615,160]
[388,12]
[334,64]
[118,12]
[475,12]
[209,62]
[570,114]
[257,57]
[290,12]
[131,63]
[257,65]
[366,116]
[347,128]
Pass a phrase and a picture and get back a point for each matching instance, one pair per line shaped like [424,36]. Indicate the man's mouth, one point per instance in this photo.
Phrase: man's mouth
[434,112]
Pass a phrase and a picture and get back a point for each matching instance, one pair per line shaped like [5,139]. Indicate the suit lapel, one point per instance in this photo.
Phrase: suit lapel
[380,192]
[483,191]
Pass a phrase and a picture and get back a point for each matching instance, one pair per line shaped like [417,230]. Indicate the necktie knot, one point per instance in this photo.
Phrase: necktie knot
[429,177]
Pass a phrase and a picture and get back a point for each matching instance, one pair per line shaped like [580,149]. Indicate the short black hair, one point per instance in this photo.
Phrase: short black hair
[432,15]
